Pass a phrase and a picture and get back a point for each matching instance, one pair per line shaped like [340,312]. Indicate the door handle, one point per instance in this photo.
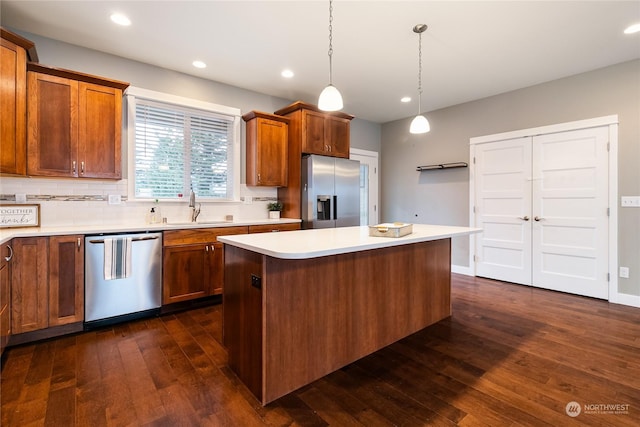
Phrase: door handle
[524,218]
[537,218]
[10,256]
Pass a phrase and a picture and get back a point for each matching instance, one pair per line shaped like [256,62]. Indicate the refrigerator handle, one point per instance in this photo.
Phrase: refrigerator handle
[335,207]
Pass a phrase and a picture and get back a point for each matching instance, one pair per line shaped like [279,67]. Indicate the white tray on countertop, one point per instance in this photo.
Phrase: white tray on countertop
[390,229]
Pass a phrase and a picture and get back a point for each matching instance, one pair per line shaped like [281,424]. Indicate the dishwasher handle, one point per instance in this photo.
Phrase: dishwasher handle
[135,239]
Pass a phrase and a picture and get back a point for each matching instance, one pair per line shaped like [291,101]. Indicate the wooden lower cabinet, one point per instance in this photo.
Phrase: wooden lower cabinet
[6,253]
[265,228]
[47,282]
[29,284]
[66,280]
[193,263]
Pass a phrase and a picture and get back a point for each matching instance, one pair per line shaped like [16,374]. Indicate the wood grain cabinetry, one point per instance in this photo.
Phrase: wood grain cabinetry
[74,123]
[193,263]
[318,132]
[14,52]
[267,149]
[29,284]
[311,131]
[6,254]
[266,228]
[47,282]
[66,280]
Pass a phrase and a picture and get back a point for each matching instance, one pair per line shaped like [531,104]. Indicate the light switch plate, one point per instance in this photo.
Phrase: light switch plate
[630,201]
[115,199]
[624,272]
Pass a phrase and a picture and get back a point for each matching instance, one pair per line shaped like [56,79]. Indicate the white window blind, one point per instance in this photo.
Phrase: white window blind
[178,148]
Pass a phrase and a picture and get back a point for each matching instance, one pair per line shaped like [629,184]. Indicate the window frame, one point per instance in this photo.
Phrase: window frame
[134,93]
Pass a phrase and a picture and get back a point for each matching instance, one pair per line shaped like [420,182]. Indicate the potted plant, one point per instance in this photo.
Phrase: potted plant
[274,209]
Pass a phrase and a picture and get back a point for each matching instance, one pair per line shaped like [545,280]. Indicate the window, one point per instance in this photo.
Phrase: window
[176,144]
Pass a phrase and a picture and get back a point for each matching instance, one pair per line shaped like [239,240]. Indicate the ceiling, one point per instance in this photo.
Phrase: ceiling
[471,50]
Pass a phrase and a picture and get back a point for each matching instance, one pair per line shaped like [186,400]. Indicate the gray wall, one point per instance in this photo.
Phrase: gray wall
[364,134]
[442,197]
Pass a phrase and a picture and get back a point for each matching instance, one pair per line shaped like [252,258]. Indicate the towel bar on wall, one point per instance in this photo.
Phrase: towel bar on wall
[442,166]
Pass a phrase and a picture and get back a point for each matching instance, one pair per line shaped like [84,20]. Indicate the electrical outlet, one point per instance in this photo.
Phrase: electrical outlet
[624,272]
[630,201]
[248,200]
[114,199]
[21,198]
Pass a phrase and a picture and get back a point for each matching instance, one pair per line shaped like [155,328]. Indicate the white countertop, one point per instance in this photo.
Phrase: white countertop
[315,243]
[7,234]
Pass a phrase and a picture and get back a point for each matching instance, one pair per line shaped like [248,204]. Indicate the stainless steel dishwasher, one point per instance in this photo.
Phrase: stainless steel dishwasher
[108,299]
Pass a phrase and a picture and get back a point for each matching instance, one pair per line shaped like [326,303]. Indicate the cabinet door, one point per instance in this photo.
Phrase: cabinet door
[271,153]
[13,109]
[99,132]
[216,267]
[314,140]
[66,280]
[338,131]
[52,139]
[185,273]
[5,295]
[29,284]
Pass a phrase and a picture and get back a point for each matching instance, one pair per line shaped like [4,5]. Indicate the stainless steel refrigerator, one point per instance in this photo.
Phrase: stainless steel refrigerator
[330,192]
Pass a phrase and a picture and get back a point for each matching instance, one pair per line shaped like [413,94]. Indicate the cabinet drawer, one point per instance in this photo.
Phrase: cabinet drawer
[199,235]
[265,228]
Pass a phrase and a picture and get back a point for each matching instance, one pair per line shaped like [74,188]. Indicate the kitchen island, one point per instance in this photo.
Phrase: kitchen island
[302,304]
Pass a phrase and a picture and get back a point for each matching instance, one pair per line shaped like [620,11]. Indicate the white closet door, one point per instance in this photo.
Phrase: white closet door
[503,210]
[570,201]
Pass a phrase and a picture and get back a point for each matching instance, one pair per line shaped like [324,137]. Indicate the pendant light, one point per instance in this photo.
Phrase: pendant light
[419,124]
[330,98]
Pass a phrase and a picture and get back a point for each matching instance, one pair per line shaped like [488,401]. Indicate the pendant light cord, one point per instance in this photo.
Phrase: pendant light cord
[330,42]
[419,73]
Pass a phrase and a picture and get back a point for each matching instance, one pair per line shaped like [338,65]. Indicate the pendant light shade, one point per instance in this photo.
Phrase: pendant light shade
[419,124]
[330,98]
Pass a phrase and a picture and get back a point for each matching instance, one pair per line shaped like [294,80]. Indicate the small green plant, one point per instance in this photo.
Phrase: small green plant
[275,206]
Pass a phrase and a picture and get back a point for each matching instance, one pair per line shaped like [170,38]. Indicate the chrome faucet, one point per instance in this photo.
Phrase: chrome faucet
[195,211]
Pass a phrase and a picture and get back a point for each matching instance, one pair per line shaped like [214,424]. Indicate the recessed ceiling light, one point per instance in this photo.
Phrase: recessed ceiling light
[120,19]
[631,29]
[287,74]
[405,99]
[199,64]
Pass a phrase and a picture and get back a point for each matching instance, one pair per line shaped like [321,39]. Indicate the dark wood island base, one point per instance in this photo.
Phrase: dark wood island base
[288,322]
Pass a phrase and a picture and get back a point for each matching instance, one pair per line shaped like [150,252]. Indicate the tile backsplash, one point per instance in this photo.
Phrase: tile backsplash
[85,202]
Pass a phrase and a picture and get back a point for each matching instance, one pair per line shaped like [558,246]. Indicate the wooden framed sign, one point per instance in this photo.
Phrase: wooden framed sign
[13,216]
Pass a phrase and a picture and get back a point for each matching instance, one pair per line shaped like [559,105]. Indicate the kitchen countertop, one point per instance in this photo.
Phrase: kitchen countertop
[7,234]
[303,244]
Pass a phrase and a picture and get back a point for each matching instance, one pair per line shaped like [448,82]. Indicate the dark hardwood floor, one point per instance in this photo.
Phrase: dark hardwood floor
[509,355]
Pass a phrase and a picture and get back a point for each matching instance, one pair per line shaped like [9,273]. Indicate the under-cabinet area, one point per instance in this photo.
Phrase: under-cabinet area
[44,283]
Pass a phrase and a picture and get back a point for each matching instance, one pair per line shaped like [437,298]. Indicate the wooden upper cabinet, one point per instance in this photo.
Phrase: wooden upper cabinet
[267,149]
[325,133]
[13,104]
[75,124]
